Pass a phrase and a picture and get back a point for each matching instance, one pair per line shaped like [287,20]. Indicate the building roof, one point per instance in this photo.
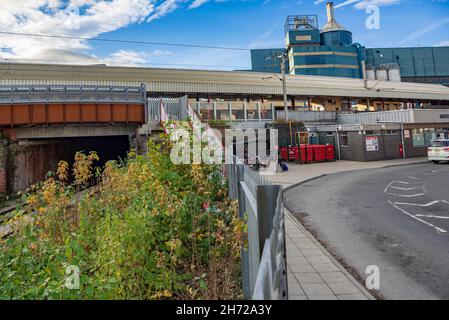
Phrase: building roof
[159,80]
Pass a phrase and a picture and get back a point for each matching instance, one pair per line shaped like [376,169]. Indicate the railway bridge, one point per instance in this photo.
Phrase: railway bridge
[43,124]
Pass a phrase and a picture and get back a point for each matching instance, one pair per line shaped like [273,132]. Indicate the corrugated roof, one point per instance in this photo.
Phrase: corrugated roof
[223,82]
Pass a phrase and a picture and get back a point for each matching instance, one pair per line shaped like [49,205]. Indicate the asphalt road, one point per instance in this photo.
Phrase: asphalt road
[396,218]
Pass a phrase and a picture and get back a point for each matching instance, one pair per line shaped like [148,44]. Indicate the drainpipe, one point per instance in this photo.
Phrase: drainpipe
[403,140]
[338,144]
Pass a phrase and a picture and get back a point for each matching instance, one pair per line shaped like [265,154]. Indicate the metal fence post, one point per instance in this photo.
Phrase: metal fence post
[244,251]
[267,200]
[245,111]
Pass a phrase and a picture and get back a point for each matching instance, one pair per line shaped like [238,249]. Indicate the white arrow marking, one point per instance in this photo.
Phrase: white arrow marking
[416,218]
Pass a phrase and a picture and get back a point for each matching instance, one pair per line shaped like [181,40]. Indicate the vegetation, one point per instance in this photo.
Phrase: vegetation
[148,230]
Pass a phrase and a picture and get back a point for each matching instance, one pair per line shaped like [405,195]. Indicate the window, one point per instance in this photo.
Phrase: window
[344,139]
[418,138]
[391,132]
[373,133]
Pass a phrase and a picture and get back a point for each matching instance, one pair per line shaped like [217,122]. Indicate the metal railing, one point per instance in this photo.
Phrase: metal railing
[264,265]
[236,111]
[176,108]
[71,93]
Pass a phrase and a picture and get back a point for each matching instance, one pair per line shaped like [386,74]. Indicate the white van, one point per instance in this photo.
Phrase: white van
[438,150]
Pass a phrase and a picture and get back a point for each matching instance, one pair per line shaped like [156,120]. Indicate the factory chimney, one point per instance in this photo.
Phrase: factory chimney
[330,12]
[331,25]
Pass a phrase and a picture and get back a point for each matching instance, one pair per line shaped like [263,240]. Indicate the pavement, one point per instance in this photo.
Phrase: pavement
[313,273]
[396,218]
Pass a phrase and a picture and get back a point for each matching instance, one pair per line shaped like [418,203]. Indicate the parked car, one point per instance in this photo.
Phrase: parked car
[438,150]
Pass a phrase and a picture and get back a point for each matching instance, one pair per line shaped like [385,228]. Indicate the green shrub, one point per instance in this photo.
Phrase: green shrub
[148,230]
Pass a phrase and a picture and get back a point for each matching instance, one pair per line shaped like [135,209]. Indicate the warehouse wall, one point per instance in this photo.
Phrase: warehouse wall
[414,62]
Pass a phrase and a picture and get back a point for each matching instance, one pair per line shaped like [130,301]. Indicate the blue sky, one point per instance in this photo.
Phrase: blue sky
[232,23]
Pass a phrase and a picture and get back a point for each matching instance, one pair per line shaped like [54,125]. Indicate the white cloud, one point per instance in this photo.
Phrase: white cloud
[55,17]
[419,33]
[197,3]
[363,4]
[443,44]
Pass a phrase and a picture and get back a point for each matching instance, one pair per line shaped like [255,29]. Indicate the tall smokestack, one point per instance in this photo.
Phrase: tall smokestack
[331,25]
[330,12]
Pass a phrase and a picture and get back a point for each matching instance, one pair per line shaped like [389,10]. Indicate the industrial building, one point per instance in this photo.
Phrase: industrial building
[332,52]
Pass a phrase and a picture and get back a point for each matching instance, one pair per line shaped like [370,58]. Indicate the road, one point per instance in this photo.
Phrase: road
[395,218]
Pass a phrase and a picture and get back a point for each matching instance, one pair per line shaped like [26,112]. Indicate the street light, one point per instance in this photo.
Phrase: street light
[282,58]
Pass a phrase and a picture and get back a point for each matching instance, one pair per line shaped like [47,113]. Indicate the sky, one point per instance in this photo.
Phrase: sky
[241,24]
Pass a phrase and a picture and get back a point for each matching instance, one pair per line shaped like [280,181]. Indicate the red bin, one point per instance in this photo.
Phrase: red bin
[293,154]
[330,152]
[307,153]
[284,153]
[319,153]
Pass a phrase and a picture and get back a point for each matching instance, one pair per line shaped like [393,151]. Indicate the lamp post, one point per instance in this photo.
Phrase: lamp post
[283,63]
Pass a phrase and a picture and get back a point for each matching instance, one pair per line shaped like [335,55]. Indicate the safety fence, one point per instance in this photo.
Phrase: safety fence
[176,108]
[264,264]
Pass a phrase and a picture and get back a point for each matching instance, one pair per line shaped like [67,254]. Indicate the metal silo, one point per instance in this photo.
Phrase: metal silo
[370,73]
[394,72]
[333,33]
[382,73]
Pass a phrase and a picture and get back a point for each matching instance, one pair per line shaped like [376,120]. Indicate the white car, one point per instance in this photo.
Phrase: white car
[438,150]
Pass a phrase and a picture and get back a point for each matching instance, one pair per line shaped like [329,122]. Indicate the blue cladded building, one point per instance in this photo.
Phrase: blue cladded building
[332,52]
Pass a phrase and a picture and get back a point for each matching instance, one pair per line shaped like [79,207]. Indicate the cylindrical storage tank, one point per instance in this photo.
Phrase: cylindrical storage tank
[382,74]
[336,38]
[370,74]
[394,74]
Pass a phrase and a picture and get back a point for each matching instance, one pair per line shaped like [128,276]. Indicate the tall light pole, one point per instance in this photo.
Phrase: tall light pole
[283,63]
[284,85]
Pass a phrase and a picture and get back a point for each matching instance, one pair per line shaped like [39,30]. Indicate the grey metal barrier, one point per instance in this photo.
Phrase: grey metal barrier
[71,93]
[264,265]
[176,108]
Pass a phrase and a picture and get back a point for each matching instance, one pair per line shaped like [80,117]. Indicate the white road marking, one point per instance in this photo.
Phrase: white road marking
[418,204]
[431,216]
[416,218]
[405,189]
[388,186]
[407,195]
[408,183]
[413,178]
[441,171]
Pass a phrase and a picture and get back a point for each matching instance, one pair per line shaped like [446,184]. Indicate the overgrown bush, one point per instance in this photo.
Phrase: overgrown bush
[148,230]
